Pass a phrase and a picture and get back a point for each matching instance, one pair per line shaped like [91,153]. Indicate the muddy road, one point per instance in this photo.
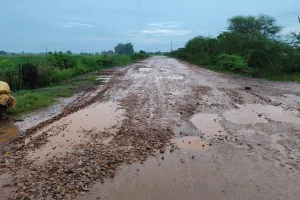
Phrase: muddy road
[162,129]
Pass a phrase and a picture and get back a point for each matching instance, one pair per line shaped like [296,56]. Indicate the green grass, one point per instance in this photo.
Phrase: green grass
[28,101]
[63,83]
[285,77]
[33,100]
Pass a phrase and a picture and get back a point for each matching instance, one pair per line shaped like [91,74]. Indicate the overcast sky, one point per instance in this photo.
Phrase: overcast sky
[97,25]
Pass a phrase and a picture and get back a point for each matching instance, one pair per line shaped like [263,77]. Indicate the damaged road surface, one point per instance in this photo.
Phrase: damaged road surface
[162,129]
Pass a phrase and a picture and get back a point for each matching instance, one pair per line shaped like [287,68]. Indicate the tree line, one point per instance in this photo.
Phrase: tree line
[251,45]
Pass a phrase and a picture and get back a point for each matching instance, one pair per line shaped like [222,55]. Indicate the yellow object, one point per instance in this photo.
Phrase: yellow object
[4,88]
[5,97]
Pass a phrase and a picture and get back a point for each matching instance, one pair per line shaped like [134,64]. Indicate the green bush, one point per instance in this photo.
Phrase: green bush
[62,61]
[232,63]
[60,75]
[45,73]
[105,61]
[9,74]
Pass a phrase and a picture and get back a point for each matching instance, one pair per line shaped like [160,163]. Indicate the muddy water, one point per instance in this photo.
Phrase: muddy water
[257,113]
[7,131]
[293,97]
[190,143]
[75,128]
[207,123]
[145,69]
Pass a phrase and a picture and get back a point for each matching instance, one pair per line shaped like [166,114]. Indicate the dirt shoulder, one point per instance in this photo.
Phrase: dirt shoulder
[161,129]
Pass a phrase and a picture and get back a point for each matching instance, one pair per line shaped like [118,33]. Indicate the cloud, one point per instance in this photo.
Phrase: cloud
[166,24]
[73,24]
[79,24]
[160,32]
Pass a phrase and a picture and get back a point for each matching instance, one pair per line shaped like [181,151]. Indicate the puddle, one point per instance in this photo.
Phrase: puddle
[104,79]
[172,77]
[258,113]
[207,124]
[293,97]
[145,69]
[75,128]
[244,116]
[8,131]
[191,143]
[276,146]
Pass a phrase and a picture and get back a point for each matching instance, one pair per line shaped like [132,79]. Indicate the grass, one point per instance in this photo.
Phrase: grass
[63,82]
[33,100]
[285,77]
[28,101]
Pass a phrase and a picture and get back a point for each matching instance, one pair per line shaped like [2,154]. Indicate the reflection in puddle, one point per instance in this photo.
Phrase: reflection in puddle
[256,113]
[276,146]
[7,131]
[172,77]
[104,79]
[190,142]
[293,97]
[244,116]
[145,69]
[75,128]
[207,124]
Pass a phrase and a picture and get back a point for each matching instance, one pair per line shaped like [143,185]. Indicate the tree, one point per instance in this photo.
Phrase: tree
[69,52]
[126,49]
[294,38]
[264,24]
[2,53]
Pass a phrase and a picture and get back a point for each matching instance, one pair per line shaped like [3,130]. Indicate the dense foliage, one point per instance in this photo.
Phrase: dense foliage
[126,49]
[41,71]
[251,45]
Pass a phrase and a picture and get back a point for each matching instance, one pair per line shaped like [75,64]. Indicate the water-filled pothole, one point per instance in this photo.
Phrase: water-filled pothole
[190,143]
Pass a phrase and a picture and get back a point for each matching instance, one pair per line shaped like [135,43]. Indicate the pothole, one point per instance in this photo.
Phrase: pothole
[258,113]
[69,131]
[207,123]
[7,131]
[145,69]
[190,142]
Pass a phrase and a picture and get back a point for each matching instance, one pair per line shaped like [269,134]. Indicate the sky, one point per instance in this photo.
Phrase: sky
[98,25]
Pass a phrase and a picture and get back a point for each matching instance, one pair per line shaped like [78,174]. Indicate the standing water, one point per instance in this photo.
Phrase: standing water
[7,131]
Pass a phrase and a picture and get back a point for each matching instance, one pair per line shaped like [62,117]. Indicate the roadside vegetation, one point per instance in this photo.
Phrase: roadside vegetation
[37,81]
[251,46]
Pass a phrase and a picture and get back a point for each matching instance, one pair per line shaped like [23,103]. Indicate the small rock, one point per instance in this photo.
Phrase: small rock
[193,157]
[259,115]
[48,197]
[82,193]
[162,151]
[19,196]
[162,158]
[247,88]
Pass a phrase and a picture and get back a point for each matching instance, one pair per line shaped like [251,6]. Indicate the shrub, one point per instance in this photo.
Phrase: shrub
[105,61]
[29,75]
[62,61]
[9,74]
[226,62]
[60,75]
[45,73]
